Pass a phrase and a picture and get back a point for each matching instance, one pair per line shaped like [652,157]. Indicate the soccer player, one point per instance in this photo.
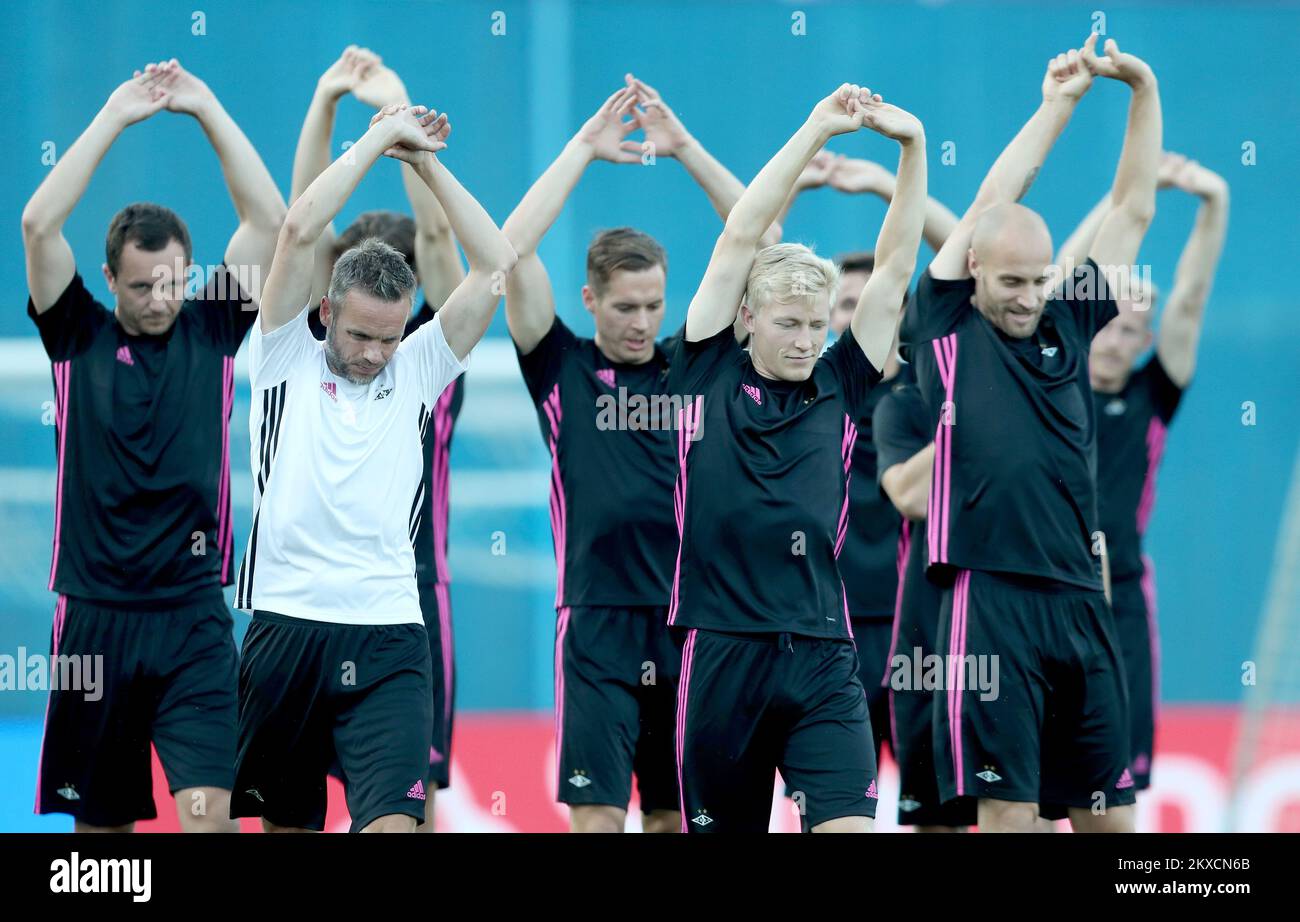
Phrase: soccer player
[601,407]
[1134,407]
[336,662]
[868,560]
[142,526]
[1032,716]
[769,673]
[905,447]
[429,248]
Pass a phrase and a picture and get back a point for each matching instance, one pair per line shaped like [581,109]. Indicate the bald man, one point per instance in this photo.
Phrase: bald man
[1031,718]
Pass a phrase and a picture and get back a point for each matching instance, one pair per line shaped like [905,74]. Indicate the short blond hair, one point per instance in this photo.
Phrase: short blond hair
[789,272]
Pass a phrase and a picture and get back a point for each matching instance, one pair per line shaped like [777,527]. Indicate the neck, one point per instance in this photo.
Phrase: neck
[600,344]
[1107,385]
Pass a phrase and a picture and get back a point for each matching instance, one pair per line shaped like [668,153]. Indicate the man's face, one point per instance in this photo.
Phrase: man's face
[361,334]
[786,339]
[1010,282]
[628,314]
[148,287]
[846,301]
[1118,344]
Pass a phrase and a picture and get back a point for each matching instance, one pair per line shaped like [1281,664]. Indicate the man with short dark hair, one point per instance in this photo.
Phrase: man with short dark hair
[599,404]
[336,662]
[142,516]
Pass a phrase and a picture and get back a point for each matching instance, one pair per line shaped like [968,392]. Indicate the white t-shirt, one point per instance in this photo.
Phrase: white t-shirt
[337,473]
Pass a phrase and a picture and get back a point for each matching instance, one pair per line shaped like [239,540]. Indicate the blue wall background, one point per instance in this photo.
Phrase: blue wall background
[741,81]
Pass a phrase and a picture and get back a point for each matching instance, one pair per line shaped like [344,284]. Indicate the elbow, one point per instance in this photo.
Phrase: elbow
[295,230]
[502,259]
[35,225]
[1138,210]
[739,233]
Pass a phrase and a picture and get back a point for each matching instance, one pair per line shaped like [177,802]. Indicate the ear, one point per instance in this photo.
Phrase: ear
[589,299]
[325,310]
[108,277]
[747,317]
[972,264]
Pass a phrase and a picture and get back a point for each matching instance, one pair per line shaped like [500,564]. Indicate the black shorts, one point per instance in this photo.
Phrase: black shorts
[616,675]
[1033,706]
[166,677]
[911,710]
[752,705]
[311,691]
[1133,602]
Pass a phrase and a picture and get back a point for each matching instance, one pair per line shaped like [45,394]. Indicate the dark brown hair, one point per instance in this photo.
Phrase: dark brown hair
[860,261]
[150,227]
[622,248]
[394,228]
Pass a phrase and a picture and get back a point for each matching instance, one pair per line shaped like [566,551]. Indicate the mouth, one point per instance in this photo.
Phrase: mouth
[635,345]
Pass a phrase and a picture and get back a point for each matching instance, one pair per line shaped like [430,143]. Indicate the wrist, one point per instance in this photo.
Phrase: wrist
[579,146]
[110,119]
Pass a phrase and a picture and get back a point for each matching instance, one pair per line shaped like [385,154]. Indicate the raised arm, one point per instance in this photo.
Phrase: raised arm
[669,137]
[1014,171]
[1180,324]
[908,484]
[1133,194]
[312,154]
[289,284]
[716,301]
[469,307]
[530,301]
[256,198]
[50,265]
[876,317]
[849,174]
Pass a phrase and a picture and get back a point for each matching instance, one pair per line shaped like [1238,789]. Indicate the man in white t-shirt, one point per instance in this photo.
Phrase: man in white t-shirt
[336,662]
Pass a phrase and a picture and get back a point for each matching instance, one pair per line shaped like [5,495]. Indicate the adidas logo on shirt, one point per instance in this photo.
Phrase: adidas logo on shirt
[753,392]
[330,388]
[124,355]
[606,375]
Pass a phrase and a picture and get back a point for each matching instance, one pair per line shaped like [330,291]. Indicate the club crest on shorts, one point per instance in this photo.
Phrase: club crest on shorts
[68,792]
[753,392]
[908,804]
[702,819]
[579,780]
[989,775]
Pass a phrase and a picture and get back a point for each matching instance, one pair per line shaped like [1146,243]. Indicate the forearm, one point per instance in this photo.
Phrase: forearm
[762,201]
[1014,171]
[544,201]
[486,247]
[312,155]
[908,484]
[1200,256]
[437,261]
[256,199]
[900,234]
[49,207]
[1134,189]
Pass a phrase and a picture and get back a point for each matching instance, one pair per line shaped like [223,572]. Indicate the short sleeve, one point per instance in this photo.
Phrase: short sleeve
[541,367]
[898,427]
[274,356]
[69,326]
[693,364]
[854,372]
[1085,297]
[1164,393]
[937,308]
[430,353]
[224,309]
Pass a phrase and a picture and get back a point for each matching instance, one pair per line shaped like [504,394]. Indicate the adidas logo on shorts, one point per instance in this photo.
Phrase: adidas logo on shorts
[871,790]
[1125,781]
[579,780]
[417,791]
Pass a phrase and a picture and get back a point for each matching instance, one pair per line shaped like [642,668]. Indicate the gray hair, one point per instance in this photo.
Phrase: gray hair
[377,269]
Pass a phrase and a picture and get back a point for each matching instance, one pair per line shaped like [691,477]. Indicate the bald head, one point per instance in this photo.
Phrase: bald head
[1010,228]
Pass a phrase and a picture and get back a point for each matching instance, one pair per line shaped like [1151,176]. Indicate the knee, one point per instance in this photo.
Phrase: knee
[657,821]
[393,822]
[846,824]
[596,818]
[1007,816]
[205,810]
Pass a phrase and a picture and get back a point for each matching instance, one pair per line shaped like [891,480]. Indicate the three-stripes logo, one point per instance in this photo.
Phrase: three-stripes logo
[417,791]
[871,790]
[606,375]
[753,392]
[330,388]
[1125,781]
[124,355]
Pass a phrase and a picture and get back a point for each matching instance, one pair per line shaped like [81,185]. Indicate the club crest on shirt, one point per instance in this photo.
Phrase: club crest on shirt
[1116,407]
[330,388]
[1050,351]
[753,392]
[606,375]
[383,392]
